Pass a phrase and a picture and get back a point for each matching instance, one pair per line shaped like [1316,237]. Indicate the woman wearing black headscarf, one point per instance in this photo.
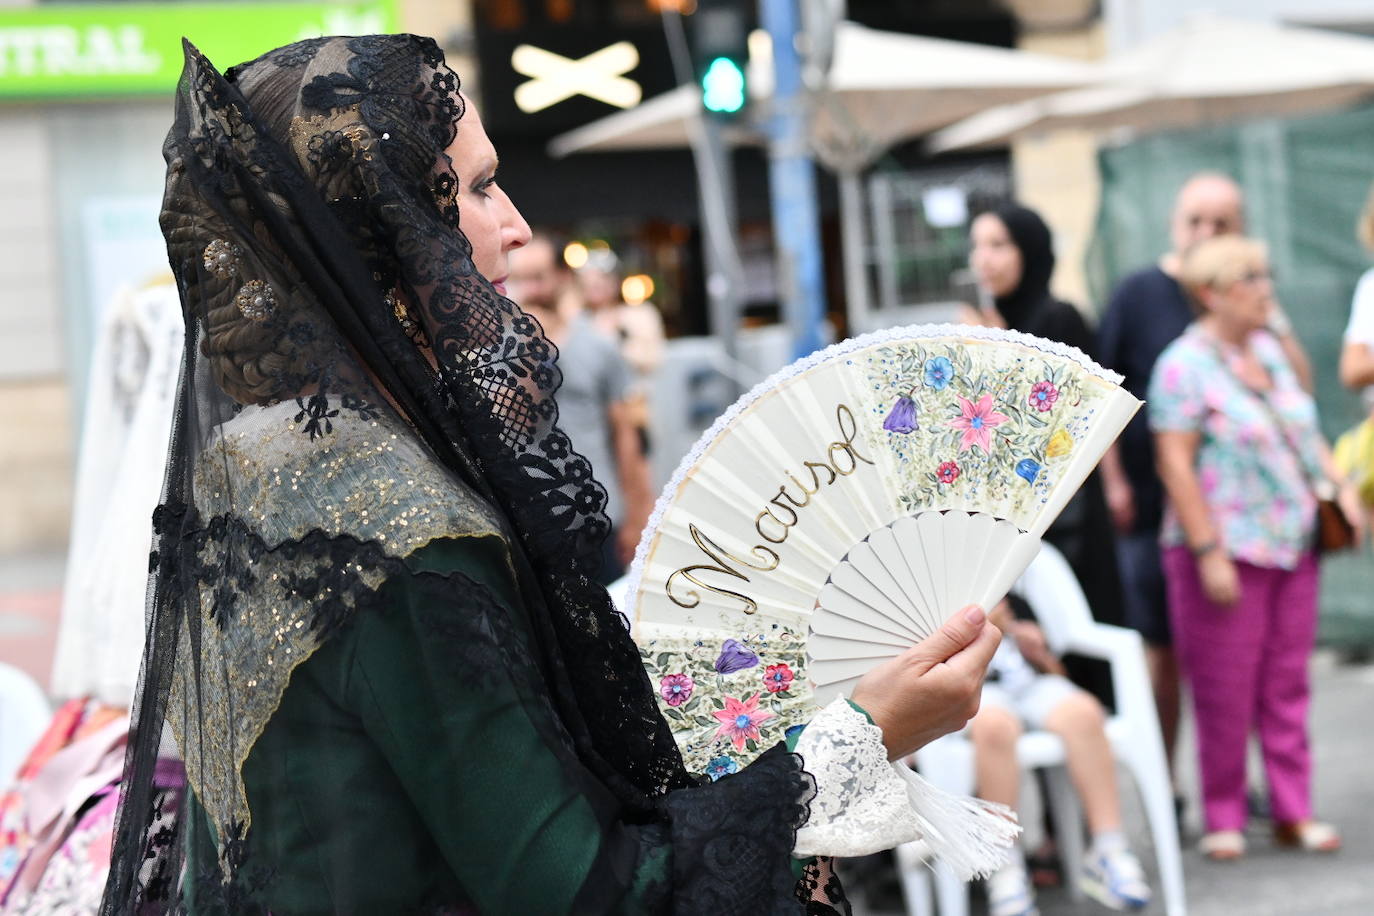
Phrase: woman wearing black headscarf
[1012,257]
[374,635]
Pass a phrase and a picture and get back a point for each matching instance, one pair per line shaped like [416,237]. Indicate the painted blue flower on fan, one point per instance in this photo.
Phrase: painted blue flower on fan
[721,766]
[734,657]
[938,372]
[1028,469]
[902,417]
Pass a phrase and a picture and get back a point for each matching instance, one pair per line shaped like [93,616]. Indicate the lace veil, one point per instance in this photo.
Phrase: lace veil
[351,390]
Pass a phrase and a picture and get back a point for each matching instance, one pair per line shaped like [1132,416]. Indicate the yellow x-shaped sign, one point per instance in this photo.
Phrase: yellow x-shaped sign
[599,75]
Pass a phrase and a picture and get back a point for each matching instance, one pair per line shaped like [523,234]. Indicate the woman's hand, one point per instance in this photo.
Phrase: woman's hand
[1116,487]
[1034,648]
[932,688]
[1220,581]
[1120,502]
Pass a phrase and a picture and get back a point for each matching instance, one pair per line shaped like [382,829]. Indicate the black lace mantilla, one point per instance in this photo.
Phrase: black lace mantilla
[345,368]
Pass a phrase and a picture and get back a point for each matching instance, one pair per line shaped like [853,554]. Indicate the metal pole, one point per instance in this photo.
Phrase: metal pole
[855,250]
[716,204]
[724,280]
[792,183]
[885,240]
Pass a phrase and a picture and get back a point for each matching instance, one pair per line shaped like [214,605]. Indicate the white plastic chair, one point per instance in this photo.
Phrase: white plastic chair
[1052,591]
[913,866]
[24,713]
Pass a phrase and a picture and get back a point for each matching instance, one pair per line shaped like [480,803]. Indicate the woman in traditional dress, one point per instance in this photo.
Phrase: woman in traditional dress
[375,636]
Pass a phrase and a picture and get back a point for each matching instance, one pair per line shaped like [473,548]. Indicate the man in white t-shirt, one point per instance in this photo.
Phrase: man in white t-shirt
[1357,352]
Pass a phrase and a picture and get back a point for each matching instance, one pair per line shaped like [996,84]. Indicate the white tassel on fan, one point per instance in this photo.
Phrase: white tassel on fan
[970,835]
[840,512]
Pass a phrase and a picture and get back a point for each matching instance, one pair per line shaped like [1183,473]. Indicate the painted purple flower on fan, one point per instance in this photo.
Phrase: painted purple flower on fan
[1043,395]
[734,657]
[902,417]
[977,421]
[676,689]
[740,720]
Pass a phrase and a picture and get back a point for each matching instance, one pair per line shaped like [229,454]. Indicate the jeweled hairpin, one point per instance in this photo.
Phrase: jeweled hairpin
[221,258]
[256,300]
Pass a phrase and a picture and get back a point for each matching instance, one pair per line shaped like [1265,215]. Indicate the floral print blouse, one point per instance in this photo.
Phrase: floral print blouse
[1258,492]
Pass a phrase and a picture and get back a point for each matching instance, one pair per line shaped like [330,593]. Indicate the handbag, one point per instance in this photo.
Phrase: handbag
[1334,532]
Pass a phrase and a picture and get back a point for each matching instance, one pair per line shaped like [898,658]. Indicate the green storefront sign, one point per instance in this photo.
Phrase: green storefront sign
[89,50]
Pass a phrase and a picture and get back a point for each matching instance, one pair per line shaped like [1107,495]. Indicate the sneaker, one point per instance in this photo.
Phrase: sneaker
[1010,894]
[1115,880]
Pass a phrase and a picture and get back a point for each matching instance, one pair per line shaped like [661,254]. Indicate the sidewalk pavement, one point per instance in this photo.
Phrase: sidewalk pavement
[1270,881]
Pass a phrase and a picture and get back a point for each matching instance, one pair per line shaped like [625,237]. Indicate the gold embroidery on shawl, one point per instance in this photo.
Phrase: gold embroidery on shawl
[369,479]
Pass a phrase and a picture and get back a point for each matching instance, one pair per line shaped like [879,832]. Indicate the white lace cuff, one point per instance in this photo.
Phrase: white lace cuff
[864,803]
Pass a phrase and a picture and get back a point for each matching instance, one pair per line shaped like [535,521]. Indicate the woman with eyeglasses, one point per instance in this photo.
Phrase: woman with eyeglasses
[1243,463]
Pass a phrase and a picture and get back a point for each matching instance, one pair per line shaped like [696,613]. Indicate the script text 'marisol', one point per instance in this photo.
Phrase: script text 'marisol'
[772,523]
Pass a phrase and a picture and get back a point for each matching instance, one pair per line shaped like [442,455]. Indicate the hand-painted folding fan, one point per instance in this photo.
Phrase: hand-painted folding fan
[840,511]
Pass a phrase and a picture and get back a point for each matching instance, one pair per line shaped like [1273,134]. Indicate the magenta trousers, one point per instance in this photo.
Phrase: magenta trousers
[1246,667]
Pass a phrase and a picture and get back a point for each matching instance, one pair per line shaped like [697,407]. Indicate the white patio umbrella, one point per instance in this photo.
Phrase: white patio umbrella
[883,87]
[1209,69]
[663,122]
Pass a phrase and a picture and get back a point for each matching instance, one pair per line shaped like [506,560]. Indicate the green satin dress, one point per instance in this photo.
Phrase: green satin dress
[355,784]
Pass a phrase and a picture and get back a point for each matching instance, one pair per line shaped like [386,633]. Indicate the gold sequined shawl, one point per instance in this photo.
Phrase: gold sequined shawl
[367,479]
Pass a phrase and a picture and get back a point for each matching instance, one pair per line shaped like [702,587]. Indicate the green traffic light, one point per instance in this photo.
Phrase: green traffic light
[722,86]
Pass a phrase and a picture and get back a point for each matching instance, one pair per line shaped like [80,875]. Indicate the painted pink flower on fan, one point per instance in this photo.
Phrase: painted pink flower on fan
[947,472]
[777,678]
[1043,395]
[676,689]
[740,720]
[977,422]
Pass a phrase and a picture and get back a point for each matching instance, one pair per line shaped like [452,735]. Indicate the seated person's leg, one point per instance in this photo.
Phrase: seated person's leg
[1111,873]
[1077,718]
[994,732]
